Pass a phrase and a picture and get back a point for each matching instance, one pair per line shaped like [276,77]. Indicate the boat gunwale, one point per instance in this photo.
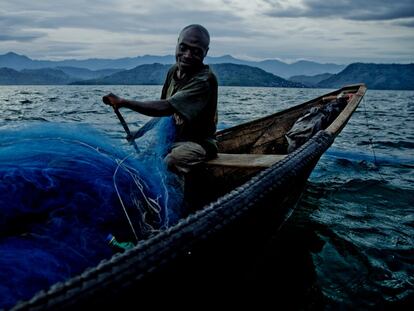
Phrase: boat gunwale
[342,119]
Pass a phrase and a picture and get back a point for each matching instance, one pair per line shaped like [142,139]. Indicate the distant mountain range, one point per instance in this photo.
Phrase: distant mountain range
[375,76]
[19,62]
[51,76]
[45,76]
[311,81]
[227,75]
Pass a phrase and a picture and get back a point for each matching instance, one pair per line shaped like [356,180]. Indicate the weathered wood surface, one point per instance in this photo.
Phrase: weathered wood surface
[246,160]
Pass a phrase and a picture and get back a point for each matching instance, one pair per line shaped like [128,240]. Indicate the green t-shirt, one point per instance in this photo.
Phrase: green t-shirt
[195,102]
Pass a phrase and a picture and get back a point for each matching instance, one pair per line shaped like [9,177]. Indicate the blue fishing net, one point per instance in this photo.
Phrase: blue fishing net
[64,188]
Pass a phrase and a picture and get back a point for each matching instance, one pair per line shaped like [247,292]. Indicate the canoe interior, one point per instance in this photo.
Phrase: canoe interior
[267,135]
[248,148]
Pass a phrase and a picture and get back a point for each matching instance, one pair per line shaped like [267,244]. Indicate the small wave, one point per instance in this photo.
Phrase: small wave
[34,118]
[362,164]
[347,157]
[398,144]
[24,92]
[26,101]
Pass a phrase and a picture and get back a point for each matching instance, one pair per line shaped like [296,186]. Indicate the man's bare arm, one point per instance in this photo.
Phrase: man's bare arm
[157,108]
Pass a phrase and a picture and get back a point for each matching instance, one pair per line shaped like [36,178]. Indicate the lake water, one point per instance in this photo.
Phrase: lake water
[349,244]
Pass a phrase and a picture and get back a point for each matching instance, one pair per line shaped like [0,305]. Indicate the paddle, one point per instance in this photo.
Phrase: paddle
[126,128]
[141,131]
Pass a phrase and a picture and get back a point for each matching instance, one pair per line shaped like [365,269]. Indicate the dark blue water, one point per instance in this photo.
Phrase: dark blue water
[349,244]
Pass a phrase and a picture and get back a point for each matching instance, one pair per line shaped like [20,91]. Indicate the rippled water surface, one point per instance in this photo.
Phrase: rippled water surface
[350,242]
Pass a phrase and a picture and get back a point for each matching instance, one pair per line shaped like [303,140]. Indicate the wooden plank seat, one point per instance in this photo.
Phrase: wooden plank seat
[245,160]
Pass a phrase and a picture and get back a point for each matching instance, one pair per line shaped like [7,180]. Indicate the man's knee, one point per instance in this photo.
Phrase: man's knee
[184,156]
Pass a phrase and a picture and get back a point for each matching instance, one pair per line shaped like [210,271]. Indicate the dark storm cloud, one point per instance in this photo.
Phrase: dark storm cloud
[367,10]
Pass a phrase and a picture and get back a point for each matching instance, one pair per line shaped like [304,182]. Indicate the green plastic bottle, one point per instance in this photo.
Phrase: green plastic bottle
[118,246]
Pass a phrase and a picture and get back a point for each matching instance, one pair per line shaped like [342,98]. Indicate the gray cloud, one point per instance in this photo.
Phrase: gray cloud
[354,33]
[21,38]
[167,18]
[116,28]
[405,23]
[150,23]
[9,31]
[347,9]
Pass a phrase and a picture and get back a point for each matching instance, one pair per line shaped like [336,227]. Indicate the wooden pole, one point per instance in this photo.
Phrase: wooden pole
[126,128]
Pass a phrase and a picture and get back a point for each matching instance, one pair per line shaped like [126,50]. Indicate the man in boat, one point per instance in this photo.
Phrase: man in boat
[189,94]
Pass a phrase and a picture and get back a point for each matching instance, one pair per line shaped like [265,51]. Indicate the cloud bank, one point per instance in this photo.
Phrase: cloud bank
[340,31]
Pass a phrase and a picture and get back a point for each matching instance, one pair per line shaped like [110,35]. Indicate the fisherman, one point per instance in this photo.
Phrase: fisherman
[189,94]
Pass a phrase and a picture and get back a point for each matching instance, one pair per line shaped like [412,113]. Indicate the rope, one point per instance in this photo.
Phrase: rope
[371,140]
[120,198]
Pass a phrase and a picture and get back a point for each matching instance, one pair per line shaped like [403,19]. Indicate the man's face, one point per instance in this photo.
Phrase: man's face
[191,50]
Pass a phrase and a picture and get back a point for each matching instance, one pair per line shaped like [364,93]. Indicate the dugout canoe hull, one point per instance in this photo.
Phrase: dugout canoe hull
[214,245]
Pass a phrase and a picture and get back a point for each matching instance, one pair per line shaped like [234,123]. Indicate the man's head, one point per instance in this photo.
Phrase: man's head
[192,47]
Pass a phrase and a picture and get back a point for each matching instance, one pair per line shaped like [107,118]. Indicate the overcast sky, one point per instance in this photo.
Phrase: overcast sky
[340,31]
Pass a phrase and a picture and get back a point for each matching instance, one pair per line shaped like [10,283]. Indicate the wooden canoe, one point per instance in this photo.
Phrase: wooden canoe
[253,186]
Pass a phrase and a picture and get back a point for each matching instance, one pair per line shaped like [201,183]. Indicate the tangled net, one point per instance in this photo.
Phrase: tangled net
[64,188]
